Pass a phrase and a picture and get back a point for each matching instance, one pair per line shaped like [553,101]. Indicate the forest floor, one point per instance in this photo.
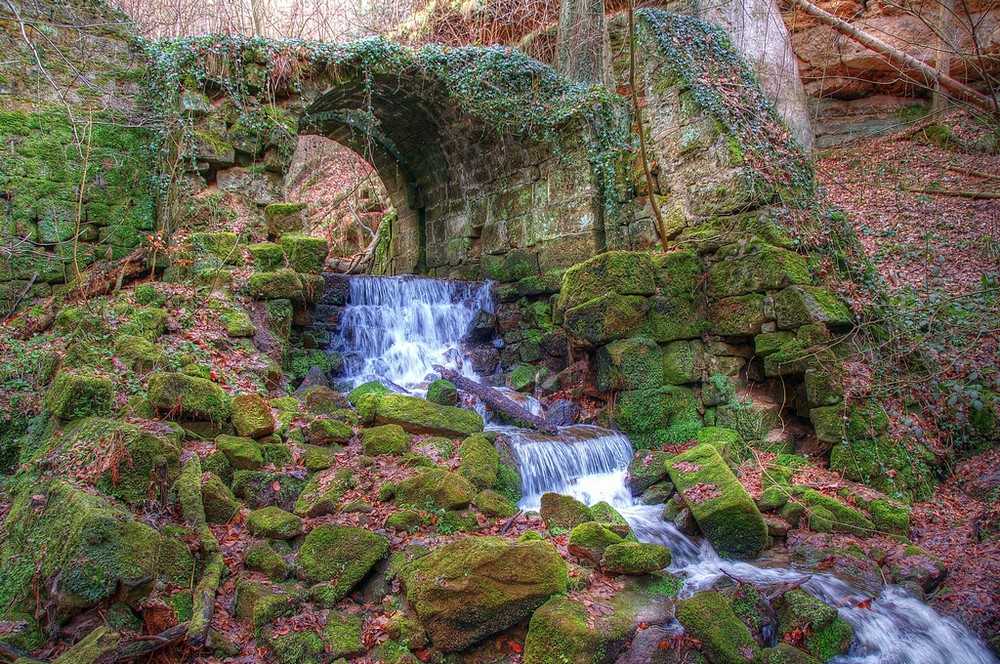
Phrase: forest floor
[939,250]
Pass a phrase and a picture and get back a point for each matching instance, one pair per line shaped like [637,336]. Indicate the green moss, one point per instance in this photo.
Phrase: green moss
[188,398]
[442,392]
[710,618]
[287,404]
[901,469]
[772,499]
[242,453]
[387,439]
[635,558]
[257,488]
[618,272]
[563,630]
[267,256]
[630,364]
[342,635]
[371,387]
[281,285]
[606,318]
[239,325]
[889,518]
[284,218]
[435,487]
[493,504]
[305,254]
[508,482]
[480,462]
[827,634]
[771,342]
[252,416]
[418,415]
[324,431]
[406,520]
[739,316]
[644,470]
[477,586]
[670,408]
[323,492]
[274,523]
[756,268]
[146,322]
[796,306]
[524,377]
[261,556]
[139,354]
[340,556]
[73,396]
[222,245]
[563,513]
[828,514]
[589,540]
[725,512]
[220,504]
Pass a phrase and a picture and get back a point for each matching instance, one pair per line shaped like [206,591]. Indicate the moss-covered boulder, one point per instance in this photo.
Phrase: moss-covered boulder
[243,453]
[740,316]
[282,285]
[327,431]
[563,630]
[709,618]
[784,653]
[796,306]
[274,523]
[342,635]
[828,514]
[252,416]
[81,549]
[635,558]
[74,395]
[387,439]
[420,416]
[563,513]
[755,269]
[725,512]
[824,633]
[442,392]
[606,318]
[629,364]
[435,487]
[148,323]
[493,504]
[480,462]
[668,414]
[140,354]
[469,589]
[589,540]
[281,218]
[321,400]
[188,398]
[262,556]
[220,503]
[340,557]
[323,492]
[371,387]
[259,488]
[621,272]
[683,362]
[645,469]
[305,253]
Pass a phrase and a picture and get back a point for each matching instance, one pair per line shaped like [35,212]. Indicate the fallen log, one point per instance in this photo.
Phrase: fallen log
[106,646]
[495,400]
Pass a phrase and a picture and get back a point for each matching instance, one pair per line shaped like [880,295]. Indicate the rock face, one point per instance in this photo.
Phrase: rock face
[467,590]
[725,512]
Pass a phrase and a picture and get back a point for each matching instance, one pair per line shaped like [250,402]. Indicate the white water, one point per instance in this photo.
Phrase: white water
[397,328]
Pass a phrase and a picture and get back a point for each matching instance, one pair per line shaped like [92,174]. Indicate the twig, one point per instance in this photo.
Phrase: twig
[978,174]
[962,193]
[511,522]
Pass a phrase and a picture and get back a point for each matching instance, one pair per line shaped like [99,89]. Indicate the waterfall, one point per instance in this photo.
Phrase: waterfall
[395,328]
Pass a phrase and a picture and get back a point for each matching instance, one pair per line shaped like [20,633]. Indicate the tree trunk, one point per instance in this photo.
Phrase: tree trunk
[902,60]
[583,50]
[495,400]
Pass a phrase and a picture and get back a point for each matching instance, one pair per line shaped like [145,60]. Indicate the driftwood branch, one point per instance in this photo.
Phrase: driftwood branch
[495,400]
[903,60]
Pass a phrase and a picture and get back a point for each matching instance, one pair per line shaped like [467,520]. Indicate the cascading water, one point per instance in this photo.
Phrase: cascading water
[395,329]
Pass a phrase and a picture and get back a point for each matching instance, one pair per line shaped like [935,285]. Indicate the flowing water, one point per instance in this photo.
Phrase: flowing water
[395,329]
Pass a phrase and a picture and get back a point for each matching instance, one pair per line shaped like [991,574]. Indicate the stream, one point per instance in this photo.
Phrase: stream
[395,328]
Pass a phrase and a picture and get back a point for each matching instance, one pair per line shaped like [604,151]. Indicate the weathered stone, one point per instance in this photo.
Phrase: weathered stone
[563,630]
[435,487]
[188,398]
[618,272]
[420,416]
[606,318]
[252,416]
[796,306]
[387,439]
[340,556]
[740,270]
[274,523]
[74,395]
[635,558]
[646,469]
[563,512]
[709,618]
[629,364]
[826,634]
[469,589]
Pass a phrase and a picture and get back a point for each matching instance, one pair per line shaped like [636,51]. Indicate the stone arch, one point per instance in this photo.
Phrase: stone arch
[463,191]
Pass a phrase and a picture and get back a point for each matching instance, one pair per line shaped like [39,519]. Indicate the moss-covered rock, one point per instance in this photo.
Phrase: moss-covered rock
[323,492]
[371,387]
[606,318]
[899,469]
[258,604]
[671,412]
[435,487]
[420,416]
[406,520]
[563,513]
[21,631]
[442,392]
[589,540]
[222,245]
[563,630]
[140,354]
[74,395]
[480,462]
[274,523]
[243,453]
[629,364]
[771,342]
[305,253]
[635,558]
[683,362]
[740,316]
[281,285]
[284,218]
[826,633]
[784,653]
[252,416]
[188,398]
[465,591]
[145,322]
[261,556]
[493,504]
[267,256]
[645,469]
[796,306]
[387,439]
[755,269]
[220,503]
[619,272]
[260,488]
[889,517]
[709,618]
[728,442]
[828,514]
[340,557]
[326,431]
[342,635]
[725,512]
